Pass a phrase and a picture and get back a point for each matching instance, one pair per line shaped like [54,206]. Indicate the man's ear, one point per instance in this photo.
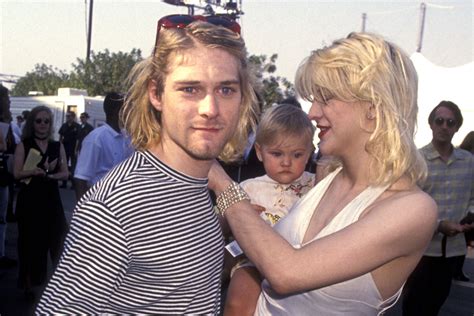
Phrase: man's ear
[258,151]
[155,100]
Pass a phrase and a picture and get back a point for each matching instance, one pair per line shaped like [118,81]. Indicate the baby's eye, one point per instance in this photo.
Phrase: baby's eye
[298,155]
[275,154]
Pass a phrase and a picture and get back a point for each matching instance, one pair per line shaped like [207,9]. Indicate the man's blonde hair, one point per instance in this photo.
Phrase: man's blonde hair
[143,122]
[366,68]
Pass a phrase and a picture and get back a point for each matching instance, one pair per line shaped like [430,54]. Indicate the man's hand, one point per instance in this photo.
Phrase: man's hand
[450,228]
[467,227]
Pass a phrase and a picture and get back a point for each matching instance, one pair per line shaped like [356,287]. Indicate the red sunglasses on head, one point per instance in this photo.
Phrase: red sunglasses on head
[180,21]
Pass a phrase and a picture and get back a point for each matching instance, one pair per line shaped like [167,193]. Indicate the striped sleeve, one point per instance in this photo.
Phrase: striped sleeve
[92,264]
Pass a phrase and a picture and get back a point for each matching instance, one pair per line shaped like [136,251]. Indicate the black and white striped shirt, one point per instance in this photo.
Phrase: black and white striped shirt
[144,240]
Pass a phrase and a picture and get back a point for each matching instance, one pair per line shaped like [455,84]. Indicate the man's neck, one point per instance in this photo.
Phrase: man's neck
[115,126]
[444,149]
[182,162]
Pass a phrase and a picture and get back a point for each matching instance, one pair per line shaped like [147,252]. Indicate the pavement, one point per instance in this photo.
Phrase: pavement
[13,302]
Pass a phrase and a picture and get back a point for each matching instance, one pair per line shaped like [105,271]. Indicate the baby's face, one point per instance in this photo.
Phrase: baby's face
[285,161]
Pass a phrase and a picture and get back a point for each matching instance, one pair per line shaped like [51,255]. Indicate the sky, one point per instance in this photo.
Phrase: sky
[54,31]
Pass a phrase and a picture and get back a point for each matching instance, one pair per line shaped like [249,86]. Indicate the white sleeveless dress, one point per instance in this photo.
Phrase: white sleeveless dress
[358,296]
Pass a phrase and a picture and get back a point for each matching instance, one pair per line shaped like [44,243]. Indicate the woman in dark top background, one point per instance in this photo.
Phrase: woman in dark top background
[42,225]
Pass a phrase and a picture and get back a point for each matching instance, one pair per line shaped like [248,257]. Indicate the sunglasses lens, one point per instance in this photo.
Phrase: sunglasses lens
[39,121]
[449,122]
[222,21]
[176,21]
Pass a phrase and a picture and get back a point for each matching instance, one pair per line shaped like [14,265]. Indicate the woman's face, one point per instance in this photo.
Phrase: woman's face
[343,126]
[42,123]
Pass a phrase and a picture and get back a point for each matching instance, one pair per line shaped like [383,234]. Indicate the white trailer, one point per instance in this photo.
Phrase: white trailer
[68,99]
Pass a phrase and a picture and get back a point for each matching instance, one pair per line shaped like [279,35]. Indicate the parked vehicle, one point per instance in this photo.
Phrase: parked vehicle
[68,99]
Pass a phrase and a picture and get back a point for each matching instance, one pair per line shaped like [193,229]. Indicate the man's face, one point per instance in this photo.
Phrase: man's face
[442,131]
[200,103]
[69,117]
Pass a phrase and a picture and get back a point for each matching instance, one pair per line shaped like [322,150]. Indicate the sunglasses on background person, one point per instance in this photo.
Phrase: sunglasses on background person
[180,21]
[39,121]
[449,122]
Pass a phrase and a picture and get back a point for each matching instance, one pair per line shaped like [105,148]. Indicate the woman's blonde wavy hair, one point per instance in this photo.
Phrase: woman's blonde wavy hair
[366,68]
[143,122]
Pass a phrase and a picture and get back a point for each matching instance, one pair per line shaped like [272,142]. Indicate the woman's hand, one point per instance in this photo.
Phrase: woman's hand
[50,166]
[38,172]
[218,178]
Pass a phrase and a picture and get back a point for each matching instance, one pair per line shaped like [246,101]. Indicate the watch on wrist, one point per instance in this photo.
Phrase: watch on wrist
[231,195]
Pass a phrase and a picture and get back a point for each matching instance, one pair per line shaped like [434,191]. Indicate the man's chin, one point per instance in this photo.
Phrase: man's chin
[204,155]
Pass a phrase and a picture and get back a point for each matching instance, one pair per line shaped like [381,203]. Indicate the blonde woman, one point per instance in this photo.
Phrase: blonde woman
[349,244]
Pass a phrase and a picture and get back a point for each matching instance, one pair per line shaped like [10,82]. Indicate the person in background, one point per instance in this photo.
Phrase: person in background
[24,114]
[19,121]
[16,128]
[468,142]
[349,244]
[7,147]
[5,262]
[284,143]
[104,148]
[145,238]
[459,275]
[84,129]
[68,137]
[42,224]
[450,183]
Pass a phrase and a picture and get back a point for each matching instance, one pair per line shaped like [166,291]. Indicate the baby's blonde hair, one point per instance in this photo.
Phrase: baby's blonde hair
[284,120]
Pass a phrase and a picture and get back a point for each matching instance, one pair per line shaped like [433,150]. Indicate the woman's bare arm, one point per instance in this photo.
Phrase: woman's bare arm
[401,226]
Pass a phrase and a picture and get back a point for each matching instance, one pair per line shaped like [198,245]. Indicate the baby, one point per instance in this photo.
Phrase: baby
[284,143]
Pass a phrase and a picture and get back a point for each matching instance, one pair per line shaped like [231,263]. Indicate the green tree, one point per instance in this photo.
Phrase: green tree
[272,89]
[43,78]
[104,72]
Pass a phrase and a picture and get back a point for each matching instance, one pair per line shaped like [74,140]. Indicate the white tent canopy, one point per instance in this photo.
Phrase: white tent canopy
[436,84]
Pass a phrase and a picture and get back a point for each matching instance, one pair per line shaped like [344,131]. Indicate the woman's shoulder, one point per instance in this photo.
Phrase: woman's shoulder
[409,200]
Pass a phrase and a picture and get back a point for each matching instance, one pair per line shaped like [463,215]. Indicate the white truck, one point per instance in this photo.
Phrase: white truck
[68,99]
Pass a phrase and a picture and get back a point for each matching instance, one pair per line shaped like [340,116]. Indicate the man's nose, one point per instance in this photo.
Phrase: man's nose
[209,106]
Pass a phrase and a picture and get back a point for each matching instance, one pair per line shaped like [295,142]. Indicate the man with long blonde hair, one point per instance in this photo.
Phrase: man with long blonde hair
[145,238]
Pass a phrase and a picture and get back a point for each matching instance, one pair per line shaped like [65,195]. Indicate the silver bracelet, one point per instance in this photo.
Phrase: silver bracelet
[231,195]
